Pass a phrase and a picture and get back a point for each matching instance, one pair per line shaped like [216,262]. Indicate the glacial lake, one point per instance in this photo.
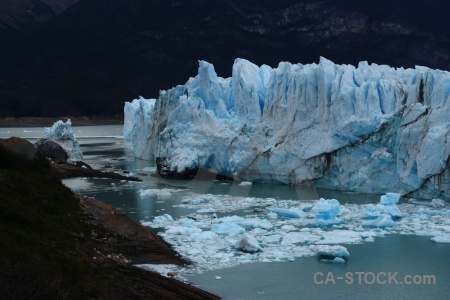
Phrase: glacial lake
[374,270]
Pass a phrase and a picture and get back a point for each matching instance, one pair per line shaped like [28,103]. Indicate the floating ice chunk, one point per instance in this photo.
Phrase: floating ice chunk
[340,237]
[287,212]
[206,211]
[148,224]
[441,239]
[245,183]
[195,201]
[327,251]
[326,209]
[434,212]
[202,236]
[288,227]
[272,215]
[437,203]
[374,211]
[163,218]
[249,244]
[181,230]
[159,193]
[62,133]
[255,223]
[189,222]
[227,229]
[223,257]
[147,193]
[299,237]
[389,199]
[326,212]
[387,206]
[271,238]
[281,256]
[381,221]
[246,258]
[163,194]
[230,219]
[338,260]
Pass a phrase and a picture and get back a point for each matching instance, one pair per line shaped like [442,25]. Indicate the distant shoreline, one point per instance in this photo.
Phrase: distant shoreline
[47,122]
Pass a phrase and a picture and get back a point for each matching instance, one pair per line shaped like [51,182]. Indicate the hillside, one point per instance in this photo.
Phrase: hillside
[56,245]
[100,53]
[19,17]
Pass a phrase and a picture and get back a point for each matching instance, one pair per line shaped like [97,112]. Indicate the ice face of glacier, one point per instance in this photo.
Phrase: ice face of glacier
[62,133]
[137,125]
[369,128]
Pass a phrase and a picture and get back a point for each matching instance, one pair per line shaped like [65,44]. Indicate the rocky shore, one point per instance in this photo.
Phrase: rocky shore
[59,245]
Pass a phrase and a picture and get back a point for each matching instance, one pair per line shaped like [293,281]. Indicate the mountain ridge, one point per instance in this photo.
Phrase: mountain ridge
[18,17]
[101,53]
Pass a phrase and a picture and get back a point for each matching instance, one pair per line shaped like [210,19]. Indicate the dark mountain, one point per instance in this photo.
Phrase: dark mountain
[17,17]
[100,53]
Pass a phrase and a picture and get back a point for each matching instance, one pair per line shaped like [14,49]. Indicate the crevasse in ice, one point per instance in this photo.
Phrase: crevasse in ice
[370,128]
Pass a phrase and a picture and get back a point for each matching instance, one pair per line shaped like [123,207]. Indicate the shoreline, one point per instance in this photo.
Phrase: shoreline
[72,246]
[47,122]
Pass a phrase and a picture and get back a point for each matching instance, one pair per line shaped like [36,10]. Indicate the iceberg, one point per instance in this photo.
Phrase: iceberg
[382,220]
[180,230]
[387,206]
[326,212]
[287,212]
[369,128]
[248,244]
[441,239]
[62,134]
[159,193]
[327,251]
[227,229]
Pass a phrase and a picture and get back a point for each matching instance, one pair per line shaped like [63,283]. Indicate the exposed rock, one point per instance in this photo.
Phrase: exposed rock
[19,146]
[129,238]
[81,169]
[52,150]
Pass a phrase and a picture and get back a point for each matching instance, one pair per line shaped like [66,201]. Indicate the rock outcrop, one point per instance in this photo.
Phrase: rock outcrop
[19,146]
[52,150]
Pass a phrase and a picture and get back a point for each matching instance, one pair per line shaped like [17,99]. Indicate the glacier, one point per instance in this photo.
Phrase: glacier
[370,128]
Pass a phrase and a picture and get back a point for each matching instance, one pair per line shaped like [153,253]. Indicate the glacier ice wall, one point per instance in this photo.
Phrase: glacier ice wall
[370,128]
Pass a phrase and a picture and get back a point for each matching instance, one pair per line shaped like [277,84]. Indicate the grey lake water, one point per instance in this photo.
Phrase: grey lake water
[395,266]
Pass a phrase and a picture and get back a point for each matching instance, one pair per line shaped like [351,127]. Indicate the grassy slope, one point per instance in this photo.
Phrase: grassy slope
[47,249]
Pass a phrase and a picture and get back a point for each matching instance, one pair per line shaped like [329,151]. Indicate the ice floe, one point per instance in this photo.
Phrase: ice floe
[266,229]
[159,193]
[248,244]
